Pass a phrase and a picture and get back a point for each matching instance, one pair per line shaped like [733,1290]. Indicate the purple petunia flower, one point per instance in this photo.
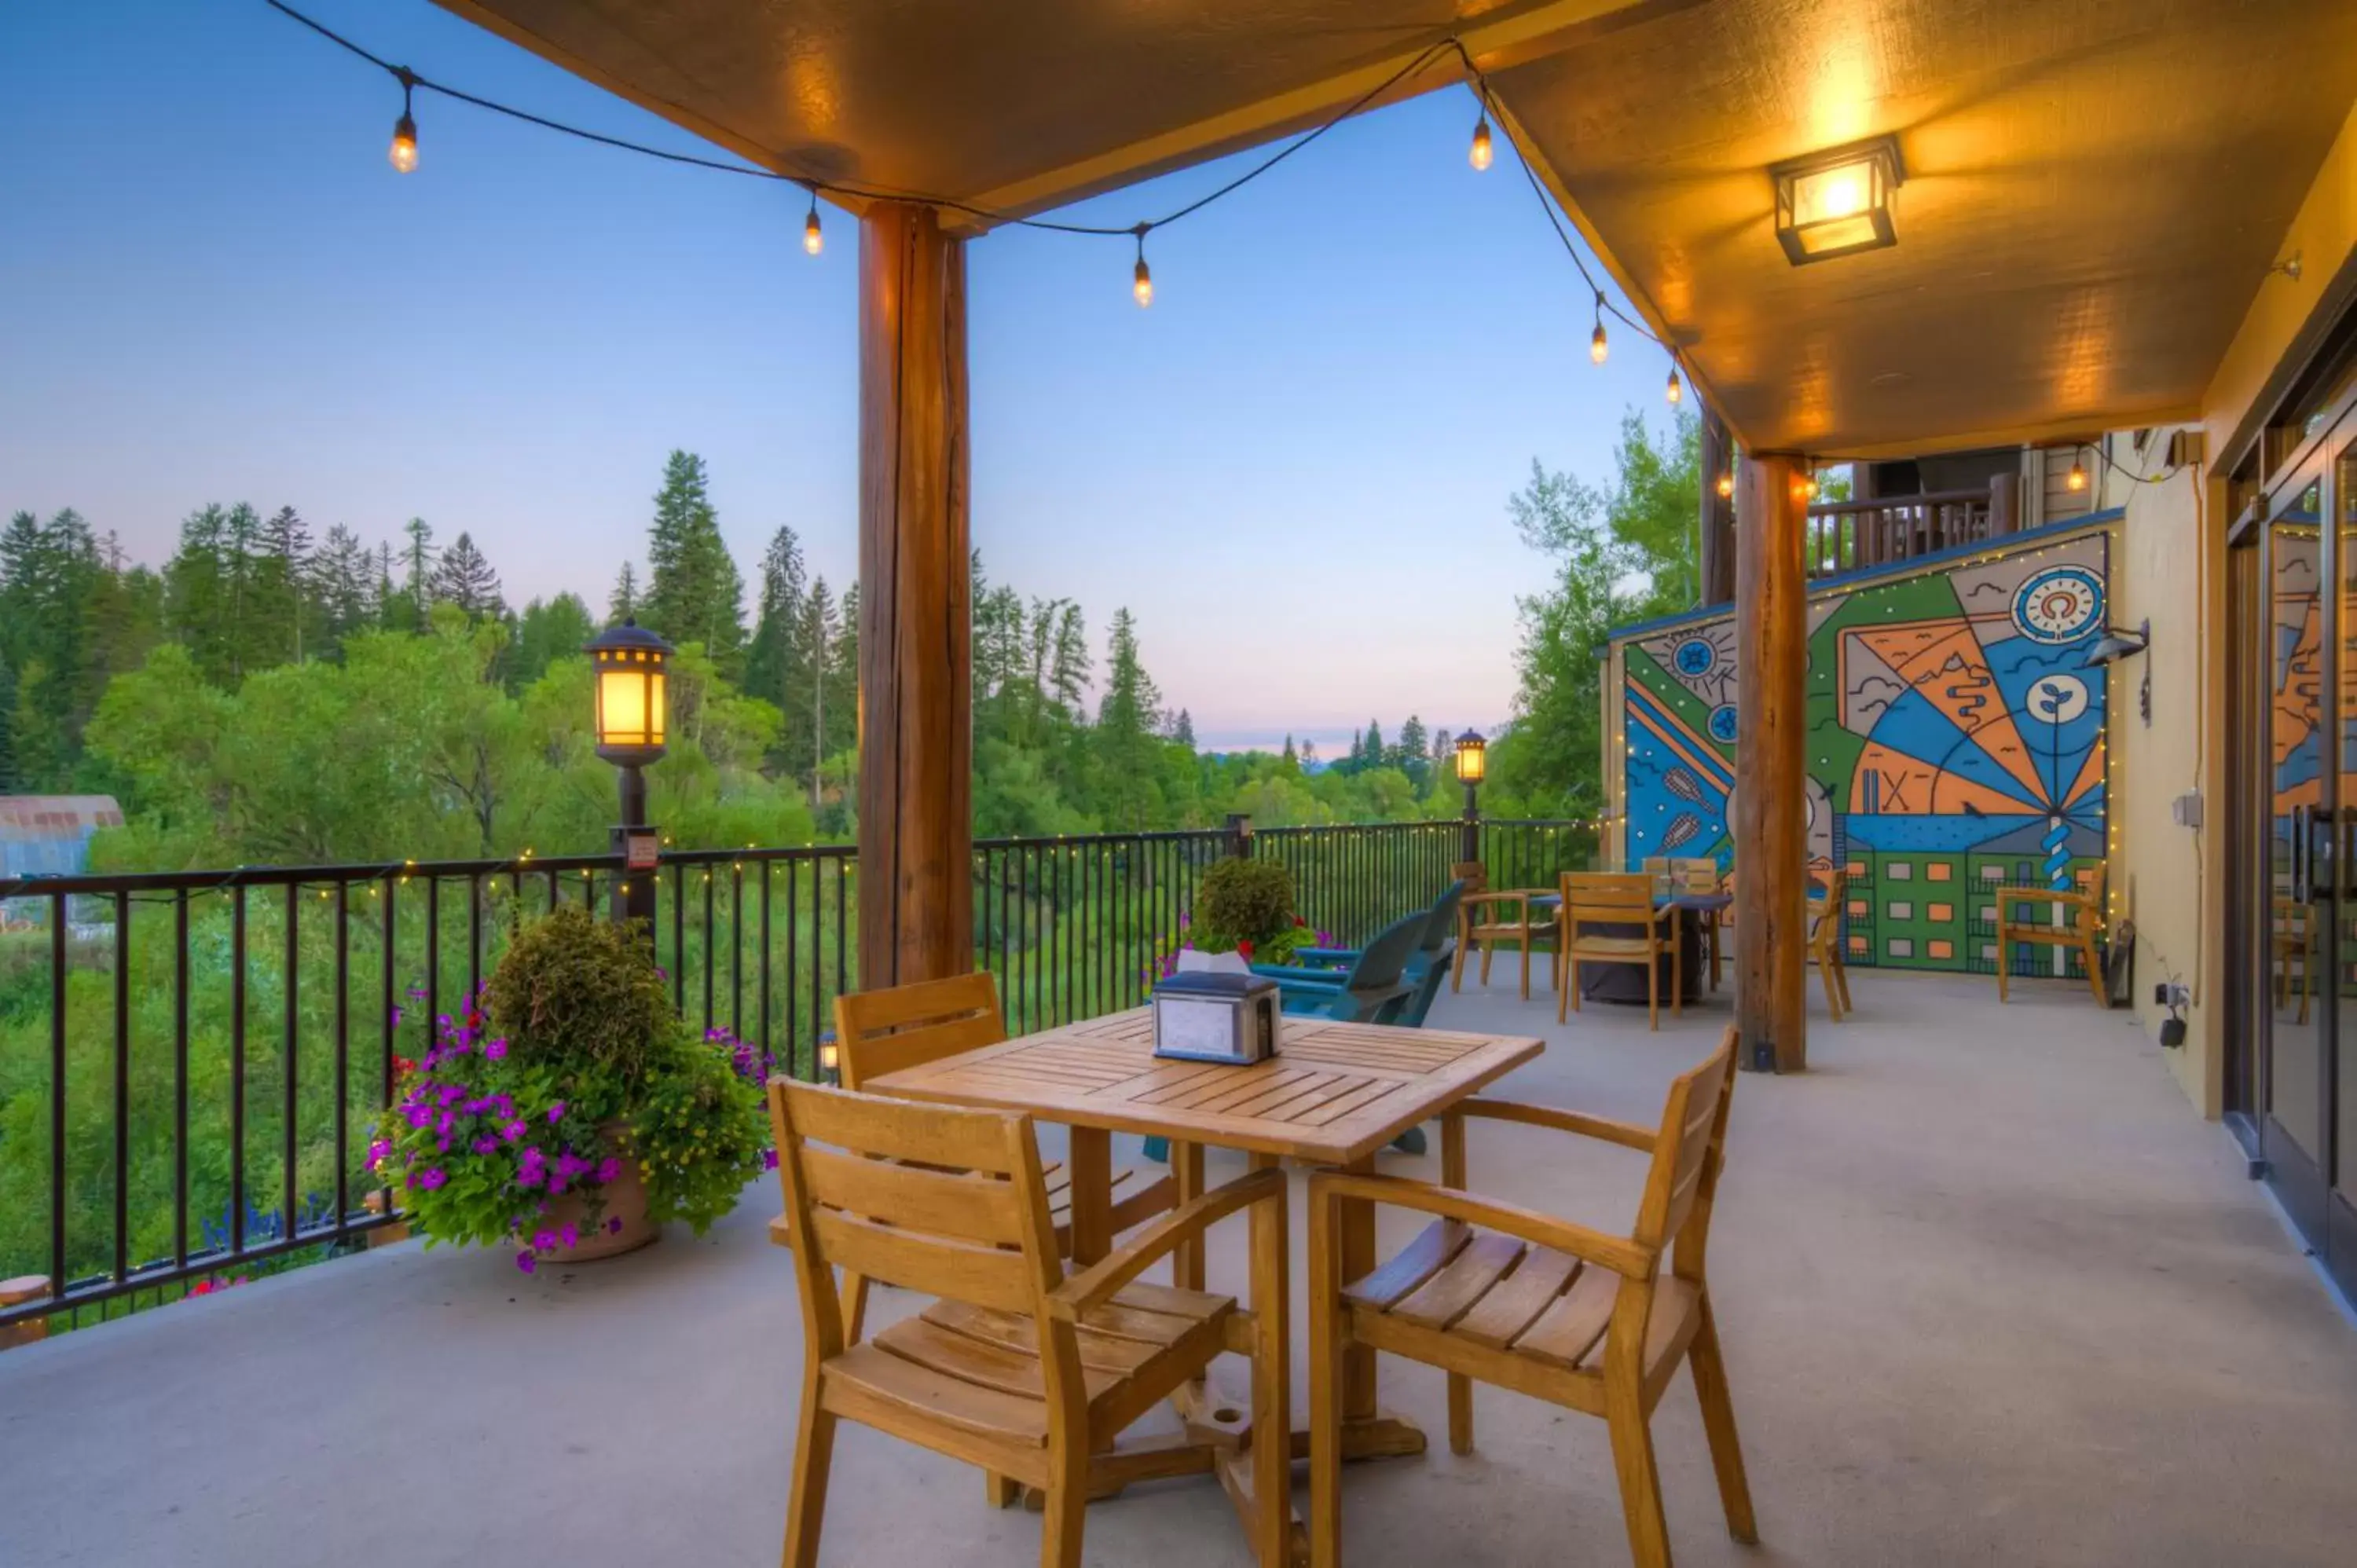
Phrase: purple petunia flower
[608,1168]
[571,1235]
[526,1262]
[495,1050]
[544,1241]
[556,1113]
[432,1177]
[512,1131]
[486,1145]
[768,1159]
[614,1226]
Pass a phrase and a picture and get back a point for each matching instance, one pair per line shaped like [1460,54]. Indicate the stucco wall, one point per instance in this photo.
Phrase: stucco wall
[2168,568]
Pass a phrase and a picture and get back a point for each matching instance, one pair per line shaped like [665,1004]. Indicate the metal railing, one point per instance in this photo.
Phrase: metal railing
[191,1063]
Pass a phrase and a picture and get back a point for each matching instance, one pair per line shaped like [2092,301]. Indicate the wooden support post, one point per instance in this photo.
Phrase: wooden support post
[1771,874]
[2004,504]
[916,693]
[1717,554]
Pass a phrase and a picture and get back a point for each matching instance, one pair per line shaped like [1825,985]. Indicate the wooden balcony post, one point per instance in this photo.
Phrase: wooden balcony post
[916,694]
[1771,874]
[2004,504]
[1717,512]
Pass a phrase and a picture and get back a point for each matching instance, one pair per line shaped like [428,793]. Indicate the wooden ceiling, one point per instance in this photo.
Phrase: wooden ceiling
[2094,189]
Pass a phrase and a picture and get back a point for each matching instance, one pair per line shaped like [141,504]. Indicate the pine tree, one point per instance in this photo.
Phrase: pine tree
[1292,759]
[1069,669]
[694,590]
[417,586]
[622,603]
[197,595]
[1372,754]
[819,630]
[1182,729]
[280,573]
[342,588]
[1123,736]
[548,631]
[464,578]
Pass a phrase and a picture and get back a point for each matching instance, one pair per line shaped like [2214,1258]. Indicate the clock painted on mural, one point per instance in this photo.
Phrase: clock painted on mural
[2059,604]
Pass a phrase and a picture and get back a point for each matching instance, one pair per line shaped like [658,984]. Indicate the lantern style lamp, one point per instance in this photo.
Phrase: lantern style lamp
[1472,762]
[631,664]
[1837,203]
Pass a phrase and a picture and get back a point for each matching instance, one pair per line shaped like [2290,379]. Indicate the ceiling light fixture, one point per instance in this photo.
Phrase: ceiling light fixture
[1837,203]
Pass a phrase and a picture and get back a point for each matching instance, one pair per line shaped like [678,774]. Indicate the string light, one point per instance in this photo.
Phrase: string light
[1479,157]
[812,240]
[2076,479]
[1596,346]
[1675,392]
[1727,485]
[403,153]
[1142,281]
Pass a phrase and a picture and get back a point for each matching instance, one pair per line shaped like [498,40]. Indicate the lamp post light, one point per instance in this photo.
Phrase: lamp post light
[633,719]
[1473,761]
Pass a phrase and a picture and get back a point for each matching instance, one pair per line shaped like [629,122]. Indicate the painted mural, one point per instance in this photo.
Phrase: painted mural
[1955,742]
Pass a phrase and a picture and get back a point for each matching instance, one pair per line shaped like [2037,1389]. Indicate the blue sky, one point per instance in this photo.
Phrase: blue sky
[1292,468]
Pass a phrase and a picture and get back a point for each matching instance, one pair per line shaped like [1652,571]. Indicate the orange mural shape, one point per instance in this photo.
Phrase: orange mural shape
[1943,661]
[1910,787]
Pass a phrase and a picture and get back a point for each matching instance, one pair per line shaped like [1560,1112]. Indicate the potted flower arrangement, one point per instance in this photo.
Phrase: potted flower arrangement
[567,1112]
[1246,907]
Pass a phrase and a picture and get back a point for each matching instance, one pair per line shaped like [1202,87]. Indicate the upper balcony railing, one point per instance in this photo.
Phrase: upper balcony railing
[1847,536]
[191,1062]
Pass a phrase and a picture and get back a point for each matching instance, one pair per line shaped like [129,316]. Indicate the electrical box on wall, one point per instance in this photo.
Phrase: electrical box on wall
[2186,809]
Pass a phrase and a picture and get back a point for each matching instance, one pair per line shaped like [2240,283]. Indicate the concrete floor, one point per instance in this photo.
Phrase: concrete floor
[1991,1293]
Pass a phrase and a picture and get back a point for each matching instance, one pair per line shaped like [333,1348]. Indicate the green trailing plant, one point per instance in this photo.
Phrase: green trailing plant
[572,1068]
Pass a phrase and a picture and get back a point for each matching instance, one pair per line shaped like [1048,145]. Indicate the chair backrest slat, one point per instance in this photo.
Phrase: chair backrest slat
[1473,874]
[1607,898]
[963,1205]
[960,1270]
[878,1032]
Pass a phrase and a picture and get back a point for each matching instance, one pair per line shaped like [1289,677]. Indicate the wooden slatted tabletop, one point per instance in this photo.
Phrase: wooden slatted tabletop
[1334,1094]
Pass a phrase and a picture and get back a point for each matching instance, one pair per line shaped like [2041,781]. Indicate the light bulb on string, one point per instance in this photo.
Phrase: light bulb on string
[1141,282]
[1596,346]
[1727,485]
[1479,156]
[812,240]
[404,152]
[1675,390]
[2076,479]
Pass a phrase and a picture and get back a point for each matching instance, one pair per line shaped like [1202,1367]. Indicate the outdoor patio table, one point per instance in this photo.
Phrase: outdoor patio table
[1625,982]
[1333,1095]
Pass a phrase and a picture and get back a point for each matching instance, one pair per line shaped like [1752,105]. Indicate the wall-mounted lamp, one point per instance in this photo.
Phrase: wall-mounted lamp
[2116,645]
[1837,202]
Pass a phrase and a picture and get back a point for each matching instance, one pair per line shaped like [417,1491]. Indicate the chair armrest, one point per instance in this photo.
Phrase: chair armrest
[1099,1281]
[1618,1253]
[2071,899]
[1472,900]
[1292,975]
[1641,1139]
[1328,955]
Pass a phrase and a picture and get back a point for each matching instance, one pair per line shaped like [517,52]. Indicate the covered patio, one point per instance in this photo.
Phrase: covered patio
[1988,1294]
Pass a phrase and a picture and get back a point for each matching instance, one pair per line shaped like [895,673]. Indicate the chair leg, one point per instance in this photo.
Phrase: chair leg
[1678,975]
[1652,991]
[1272,1373]
[1641,1484]
[1718,1425]
[1826,973]
[1570,992]
[1460,1413]
[806,1505]
[1325,1392]
[2094,972]
[1001,1491]
[2003,959]
[1487,948]
[1066,1510]
[1457,964]
[1841,978]
[1526,966]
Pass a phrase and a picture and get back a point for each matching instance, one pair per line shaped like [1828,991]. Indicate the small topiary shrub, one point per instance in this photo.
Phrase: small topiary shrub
[1247,905]
[577,990]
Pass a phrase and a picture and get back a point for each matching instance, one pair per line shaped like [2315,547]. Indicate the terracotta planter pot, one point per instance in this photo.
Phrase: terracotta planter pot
[626,1199]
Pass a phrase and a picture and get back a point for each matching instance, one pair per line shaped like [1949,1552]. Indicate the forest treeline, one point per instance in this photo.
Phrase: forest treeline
[268,695]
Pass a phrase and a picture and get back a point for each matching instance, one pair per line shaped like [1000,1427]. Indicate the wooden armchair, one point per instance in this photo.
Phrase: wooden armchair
[1485,918]
[1825,943]
[1526,1301]
[878,1032]
[2080,926]
[1016,1369]
[1638,933]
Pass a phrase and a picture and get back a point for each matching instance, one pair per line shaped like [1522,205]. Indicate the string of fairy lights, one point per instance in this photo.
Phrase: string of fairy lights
[403,155]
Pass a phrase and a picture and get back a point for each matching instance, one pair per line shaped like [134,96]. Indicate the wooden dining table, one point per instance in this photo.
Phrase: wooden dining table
[1333,1095]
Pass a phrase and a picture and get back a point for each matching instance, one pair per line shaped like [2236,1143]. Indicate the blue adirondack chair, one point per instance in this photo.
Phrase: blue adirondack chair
[1371,991]
[1426,965]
